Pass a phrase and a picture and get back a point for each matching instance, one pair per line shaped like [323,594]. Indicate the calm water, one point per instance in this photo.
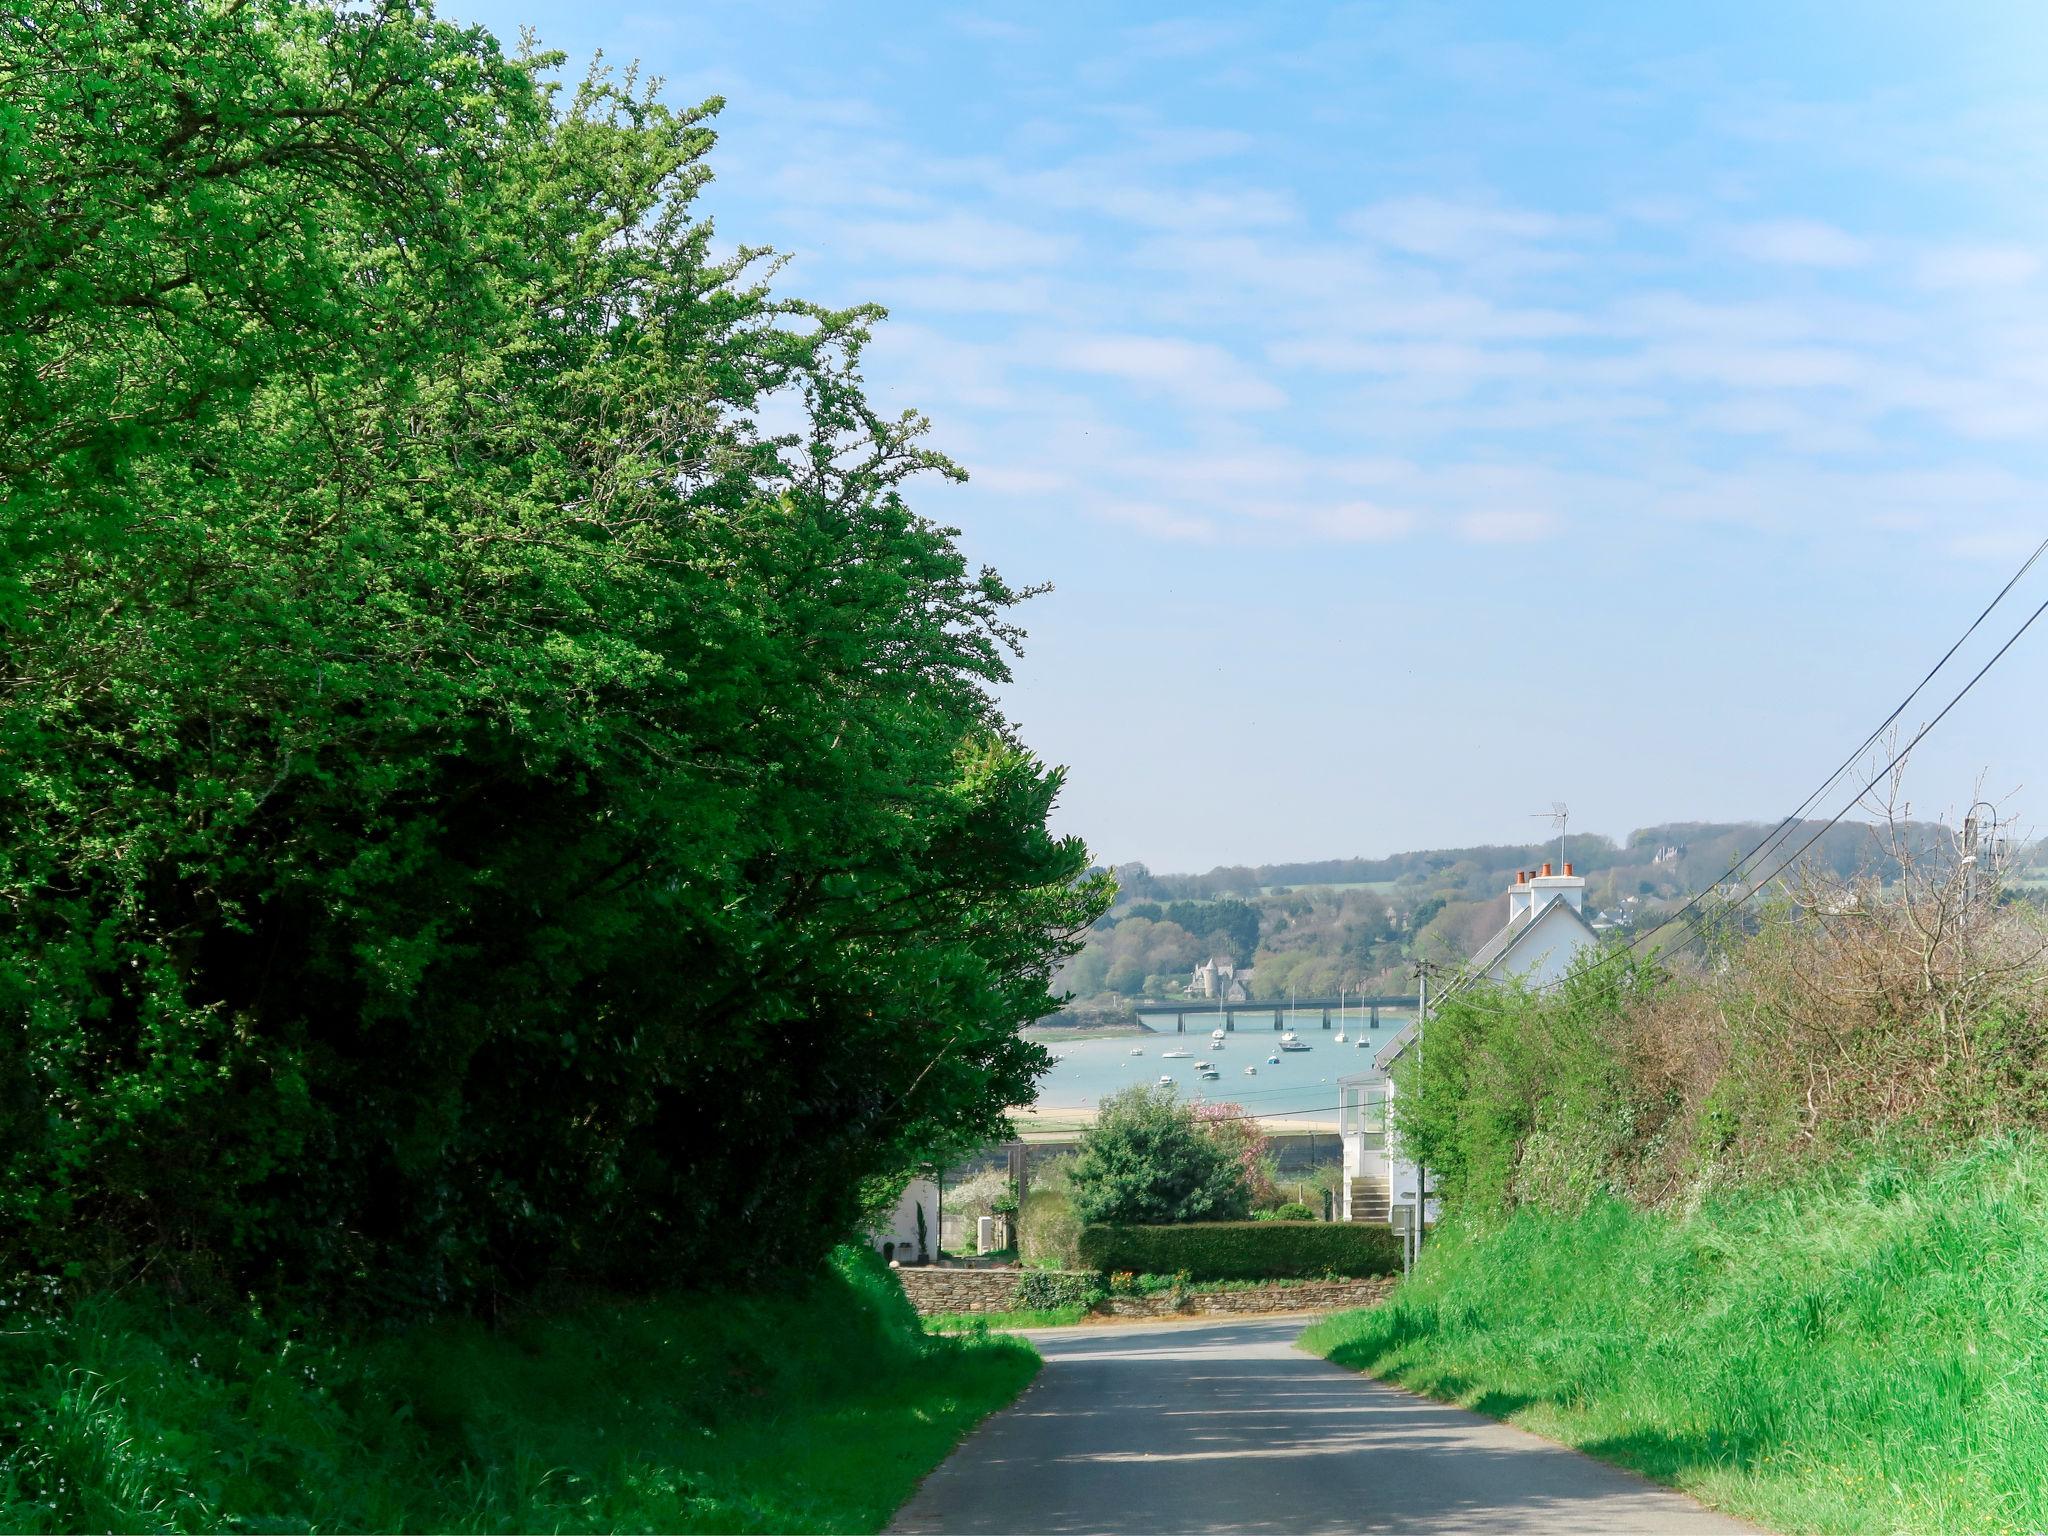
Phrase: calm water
[1302,1085]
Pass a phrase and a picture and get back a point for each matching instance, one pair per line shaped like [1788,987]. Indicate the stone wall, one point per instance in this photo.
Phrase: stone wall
[1318,1296]
[934,1291]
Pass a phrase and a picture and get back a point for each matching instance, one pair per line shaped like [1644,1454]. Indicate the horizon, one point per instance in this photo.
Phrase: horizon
[2021,838]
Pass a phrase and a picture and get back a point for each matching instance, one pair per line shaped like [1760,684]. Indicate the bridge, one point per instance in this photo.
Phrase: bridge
[1322,1006]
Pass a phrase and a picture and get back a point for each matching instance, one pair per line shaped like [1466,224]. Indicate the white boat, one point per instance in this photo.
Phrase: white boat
[1209,1074]
[1272,1061]
[1361,1042]
[1202,1066]
[1290,1043]
[1251,1071]
[1137,1050]
[1176,1055]
[1216,1034]
[1165,1080]
[1340,1037]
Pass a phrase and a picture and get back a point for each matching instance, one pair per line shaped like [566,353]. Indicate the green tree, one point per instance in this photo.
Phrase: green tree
[530,816]
[1146,1160]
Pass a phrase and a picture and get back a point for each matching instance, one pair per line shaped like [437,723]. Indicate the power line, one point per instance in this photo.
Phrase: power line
[1778,834]
[1690,914]
[1918,736]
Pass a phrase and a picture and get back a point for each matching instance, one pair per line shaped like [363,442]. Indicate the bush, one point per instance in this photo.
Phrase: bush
[1244,1250]
[1048,1231]
[1041,1291]
[1293,1210]
[1147,1159]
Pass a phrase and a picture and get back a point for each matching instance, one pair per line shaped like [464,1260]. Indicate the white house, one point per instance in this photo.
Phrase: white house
[1546,931]
[897,1236]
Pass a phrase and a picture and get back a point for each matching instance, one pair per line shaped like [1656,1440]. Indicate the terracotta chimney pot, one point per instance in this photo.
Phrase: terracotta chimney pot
[1567,866]
[1546,869]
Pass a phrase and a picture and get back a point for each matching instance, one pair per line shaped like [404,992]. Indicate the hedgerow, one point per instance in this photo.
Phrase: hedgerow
[1243,1250]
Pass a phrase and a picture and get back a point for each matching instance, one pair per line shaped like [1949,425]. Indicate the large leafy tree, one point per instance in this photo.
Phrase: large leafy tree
[1148,1160]
[479,806]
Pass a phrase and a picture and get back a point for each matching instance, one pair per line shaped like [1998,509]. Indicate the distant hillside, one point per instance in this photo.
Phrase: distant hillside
[1675,858]
[1357,923]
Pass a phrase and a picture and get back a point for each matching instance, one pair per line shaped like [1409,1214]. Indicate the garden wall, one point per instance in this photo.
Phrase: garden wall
[939,1292]
[934,1291]
[1317,1296]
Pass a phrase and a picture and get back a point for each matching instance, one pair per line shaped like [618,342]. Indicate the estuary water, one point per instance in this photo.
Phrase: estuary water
[1301,1085]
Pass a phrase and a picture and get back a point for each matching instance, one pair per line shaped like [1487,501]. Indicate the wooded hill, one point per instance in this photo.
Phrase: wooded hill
[1319,925]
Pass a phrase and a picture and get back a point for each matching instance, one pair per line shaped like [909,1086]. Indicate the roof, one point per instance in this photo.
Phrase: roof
[1484,959]
[1497,948]
[1385,1057]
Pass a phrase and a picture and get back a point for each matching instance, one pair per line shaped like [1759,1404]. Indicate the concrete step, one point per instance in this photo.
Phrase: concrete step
[1371,1199]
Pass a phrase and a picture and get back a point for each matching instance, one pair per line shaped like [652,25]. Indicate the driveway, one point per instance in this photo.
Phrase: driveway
[1226,1426]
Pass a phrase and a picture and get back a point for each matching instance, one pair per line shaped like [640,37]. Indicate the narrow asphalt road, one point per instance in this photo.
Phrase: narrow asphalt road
[1226,1426]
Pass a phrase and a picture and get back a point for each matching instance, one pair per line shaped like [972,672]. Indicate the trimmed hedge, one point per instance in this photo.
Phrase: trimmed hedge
[1244,1250]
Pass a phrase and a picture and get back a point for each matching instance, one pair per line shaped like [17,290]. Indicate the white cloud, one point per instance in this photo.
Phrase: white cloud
[1361,521]
[1458,231]
[1195,373]
[963,241]
[1521,526]
[1799,243]
[1125,328]
[1179,37]
[1979,266]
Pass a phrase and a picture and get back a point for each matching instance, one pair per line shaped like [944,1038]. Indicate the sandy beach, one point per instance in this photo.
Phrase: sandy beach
[1049,1122]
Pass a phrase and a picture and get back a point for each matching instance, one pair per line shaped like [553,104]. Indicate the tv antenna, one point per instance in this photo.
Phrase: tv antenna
[1558,815]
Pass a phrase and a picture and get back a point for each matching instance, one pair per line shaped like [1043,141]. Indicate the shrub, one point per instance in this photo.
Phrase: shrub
[1147,1159]
[1041,1291]
[1048,1231]
[1244,1250]
[1293,1210]
[978,1196]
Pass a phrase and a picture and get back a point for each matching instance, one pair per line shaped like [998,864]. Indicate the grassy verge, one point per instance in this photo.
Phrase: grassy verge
[984,1322]
[1868,1354]
[814,1411]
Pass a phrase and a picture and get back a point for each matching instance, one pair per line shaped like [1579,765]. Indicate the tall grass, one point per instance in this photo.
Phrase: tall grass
[1863,1351]
[814,1411]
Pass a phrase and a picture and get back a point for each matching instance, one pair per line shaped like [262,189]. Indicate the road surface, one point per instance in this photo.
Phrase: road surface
[1226,1426]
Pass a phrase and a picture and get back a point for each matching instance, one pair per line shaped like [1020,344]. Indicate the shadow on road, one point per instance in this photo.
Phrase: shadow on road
[1229,1428]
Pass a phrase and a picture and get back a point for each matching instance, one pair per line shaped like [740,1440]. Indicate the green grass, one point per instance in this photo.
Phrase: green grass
[1865,1355]
[814,1411]
[985,1322]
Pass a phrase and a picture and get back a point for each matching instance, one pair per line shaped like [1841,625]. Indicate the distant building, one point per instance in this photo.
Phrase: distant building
[896,1235]
[1545,934]
[1221,980]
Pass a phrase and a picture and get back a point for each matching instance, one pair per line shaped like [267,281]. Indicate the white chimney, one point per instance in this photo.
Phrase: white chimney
[1543,887]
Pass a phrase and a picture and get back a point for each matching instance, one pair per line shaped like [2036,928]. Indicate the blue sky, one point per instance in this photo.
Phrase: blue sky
[1426,413]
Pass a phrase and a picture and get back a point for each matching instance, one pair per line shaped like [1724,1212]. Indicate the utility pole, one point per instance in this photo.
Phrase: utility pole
[1412,1248]
[1970,846]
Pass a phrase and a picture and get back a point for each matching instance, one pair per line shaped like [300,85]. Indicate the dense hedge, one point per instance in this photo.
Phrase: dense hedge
[1244,1250]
